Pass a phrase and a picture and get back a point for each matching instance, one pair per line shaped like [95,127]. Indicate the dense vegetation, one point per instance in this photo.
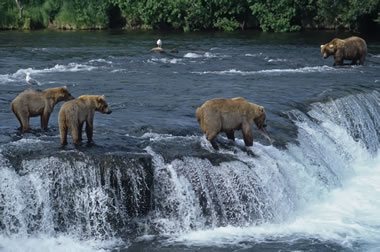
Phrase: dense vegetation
[190,15]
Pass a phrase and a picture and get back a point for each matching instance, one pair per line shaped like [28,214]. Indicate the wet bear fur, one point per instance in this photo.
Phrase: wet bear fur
[352,48]
[227,115]
[31,103]
[74,113]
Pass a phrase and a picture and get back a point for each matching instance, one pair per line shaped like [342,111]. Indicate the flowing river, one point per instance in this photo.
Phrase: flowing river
[152,182]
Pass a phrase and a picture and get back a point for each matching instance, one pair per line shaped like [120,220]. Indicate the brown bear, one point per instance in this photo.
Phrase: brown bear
[74,113]
[352,48]
[227,115]
[31,103]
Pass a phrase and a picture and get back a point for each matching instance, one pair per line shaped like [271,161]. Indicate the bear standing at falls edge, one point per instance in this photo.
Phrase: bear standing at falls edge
[352,48]
[31,103]
[227,115]
[74,113]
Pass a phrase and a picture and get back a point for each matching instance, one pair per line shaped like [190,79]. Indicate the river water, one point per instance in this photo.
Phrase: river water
[152,182]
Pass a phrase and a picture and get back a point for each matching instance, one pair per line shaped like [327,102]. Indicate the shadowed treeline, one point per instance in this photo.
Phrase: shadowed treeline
[191,15]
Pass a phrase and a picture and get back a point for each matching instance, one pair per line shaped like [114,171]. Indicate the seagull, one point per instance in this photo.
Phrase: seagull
[31,81]
[159,43]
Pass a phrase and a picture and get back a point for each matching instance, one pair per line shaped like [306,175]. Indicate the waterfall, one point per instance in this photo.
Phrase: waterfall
[110,195]
[333,137]
[86,196]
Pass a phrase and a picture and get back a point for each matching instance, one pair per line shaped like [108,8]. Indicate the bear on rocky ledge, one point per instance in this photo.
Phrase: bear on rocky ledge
[74,113]
[227,115]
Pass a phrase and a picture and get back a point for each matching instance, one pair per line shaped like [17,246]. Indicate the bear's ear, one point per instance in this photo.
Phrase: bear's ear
[64,87]
[260,109]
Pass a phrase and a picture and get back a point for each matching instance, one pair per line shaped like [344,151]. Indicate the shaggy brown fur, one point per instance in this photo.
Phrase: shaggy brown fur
[31,103]
[73,114]
[227,115]
[352,48]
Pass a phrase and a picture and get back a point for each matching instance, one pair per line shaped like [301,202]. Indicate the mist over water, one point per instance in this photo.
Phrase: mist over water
[152,182]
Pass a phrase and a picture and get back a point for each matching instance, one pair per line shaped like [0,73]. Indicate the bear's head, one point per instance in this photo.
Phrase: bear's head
[64,94]
[329,48]
[101,105]
[260,118]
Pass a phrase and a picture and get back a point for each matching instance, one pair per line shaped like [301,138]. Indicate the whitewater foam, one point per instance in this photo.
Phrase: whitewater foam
[323,188]
[203,55]
[165,61]
[347,215]
[60,243]
[101,61]
[271,71]
[19,75]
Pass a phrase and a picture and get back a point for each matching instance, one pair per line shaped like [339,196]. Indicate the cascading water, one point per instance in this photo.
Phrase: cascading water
[102,196]
[70,194]
[338,140]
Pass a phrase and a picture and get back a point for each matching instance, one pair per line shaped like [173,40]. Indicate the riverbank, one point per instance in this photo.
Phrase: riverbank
[189,15]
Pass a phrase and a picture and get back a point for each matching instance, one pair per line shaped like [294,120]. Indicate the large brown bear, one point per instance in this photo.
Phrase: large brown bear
[227,115]
[352,48]
[31,103]
[74,113]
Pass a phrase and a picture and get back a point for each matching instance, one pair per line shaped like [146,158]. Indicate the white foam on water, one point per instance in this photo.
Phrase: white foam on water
[158,137]
[275,60]
[326,187]
[60,243]
[271,71]
[165,61]
[19,75]
[193,55]
[253,54]
[203,55]
[346,215]
[27,141]
[101,61]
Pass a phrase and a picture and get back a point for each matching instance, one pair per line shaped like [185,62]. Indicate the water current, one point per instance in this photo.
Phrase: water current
[152,182]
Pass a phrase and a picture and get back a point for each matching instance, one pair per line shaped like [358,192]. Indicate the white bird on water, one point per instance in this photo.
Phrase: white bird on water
[31,81]
[159,43]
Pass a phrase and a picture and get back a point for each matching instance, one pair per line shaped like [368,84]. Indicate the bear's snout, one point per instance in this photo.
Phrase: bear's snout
[108,112]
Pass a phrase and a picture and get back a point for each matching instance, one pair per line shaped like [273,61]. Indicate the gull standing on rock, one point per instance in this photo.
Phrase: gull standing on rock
[31,81]
[158,49]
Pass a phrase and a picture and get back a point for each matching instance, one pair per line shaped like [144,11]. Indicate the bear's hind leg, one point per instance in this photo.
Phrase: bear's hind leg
[63,133]
[25,123]
[74,129]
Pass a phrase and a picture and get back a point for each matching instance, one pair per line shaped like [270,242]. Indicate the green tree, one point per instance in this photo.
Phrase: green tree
[276,15]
